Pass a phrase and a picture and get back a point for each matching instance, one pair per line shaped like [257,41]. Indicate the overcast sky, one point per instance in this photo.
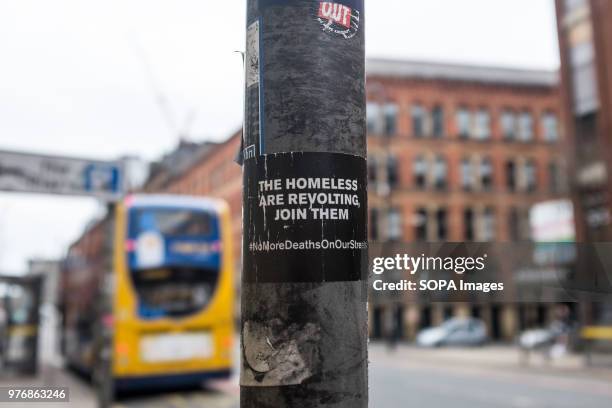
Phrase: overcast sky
[81,77]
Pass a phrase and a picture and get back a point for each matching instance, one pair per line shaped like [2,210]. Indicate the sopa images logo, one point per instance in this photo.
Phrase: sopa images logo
[338,19]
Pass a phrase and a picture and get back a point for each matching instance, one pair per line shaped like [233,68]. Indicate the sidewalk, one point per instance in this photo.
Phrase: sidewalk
[53,376]
[219,395]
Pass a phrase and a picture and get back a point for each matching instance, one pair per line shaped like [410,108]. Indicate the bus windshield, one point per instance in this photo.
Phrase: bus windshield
[171,222]
[174,257]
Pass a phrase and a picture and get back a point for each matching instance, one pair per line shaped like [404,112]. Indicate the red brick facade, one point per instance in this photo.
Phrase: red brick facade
[451,96]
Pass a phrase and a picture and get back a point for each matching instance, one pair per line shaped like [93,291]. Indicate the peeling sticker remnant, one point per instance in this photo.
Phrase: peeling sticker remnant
[252,55]
[285,358]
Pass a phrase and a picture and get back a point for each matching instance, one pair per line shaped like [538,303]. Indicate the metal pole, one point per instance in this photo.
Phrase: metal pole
[304,293]
[103,331]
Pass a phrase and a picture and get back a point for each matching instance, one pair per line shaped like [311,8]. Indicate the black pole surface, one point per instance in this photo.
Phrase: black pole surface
[304,319]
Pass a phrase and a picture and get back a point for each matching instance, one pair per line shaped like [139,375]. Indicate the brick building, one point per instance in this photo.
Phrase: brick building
[456,153]
[459,153]
[585,32]
[585,43]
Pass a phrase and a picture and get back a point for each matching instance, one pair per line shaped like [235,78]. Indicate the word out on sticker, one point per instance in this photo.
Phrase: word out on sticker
[336,13]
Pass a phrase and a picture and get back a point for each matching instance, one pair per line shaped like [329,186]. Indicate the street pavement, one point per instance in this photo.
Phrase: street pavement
[406,376]
[487,377]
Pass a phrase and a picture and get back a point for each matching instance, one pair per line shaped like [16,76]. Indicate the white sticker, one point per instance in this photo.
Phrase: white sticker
[150,249]
[252,55]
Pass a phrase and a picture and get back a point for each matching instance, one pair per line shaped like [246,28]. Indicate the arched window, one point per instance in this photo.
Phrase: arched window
[437,119]
[420,172]
[486,173]
[440,173]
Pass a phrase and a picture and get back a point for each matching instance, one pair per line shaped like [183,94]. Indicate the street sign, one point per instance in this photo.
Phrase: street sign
[34,173]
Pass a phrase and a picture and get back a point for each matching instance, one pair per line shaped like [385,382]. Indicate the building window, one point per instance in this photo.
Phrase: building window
[374,224]
[372,170]
[488,225]
[373,114]
[525,127]
[463,122]
[510,175]
[441,225]
[518,225]
[550,126]
[392,171]
[571,5]
[483,125]
[486,174]
[440,171]
[514,227]
[530,176]
[420,223]
[394,225]
[508,124]
[468,224]
[420,172]
[418,120]
[437,117]
[467,175]
[584,81]
[390,119]
[554,178]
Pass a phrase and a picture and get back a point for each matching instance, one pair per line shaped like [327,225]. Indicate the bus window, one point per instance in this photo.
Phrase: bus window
[173,291]
[171,223]
[174,258]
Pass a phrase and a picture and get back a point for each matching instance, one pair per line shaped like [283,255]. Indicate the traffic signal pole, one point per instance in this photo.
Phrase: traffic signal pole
[304,293]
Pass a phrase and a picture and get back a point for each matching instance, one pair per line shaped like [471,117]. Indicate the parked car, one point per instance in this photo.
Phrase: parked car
[543,337]
[535,338]
[454,332]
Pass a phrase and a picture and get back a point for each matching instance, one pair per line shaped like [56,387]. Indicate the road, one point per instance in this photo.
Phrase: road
[410,377]
[407,377]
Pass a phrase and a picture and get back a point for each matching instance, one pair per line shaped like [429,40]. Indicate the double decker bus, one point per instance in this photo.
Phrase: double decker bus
[147,293]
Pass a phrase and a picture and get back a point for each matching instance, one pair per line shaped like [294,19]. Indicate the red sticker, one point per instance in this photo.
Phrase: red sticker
[335,13]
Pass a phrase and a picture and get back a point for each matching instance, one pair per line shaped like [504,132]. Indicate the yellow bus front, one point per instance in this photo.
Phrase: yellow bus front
[173,317]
